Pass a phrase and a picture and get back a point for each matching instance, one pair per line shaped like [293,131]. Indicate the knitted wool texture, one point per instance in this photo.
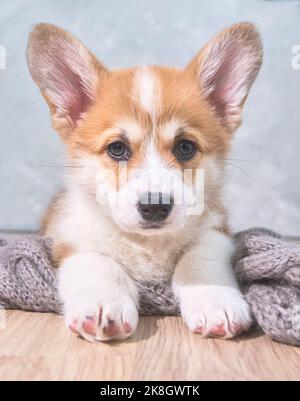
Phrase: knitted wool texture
[267,266]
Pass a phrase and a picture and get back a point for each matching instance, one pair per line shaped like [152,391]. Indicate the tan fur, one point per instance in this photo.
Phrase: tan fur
[60,252]
[50,213]
[181,98]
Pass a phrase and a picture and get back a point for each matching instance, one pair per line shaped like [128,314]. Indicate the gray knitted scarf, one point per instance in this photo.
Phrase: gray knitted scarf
[267,266]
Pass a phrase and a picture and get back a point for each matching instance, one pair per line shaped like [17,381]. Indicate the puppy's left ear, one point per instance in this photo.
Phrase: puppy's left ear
[66,72]
[226,68]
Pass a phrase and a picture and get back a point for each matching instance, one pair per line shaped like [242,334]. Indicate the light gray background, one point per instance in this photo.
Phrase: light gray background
[264,187]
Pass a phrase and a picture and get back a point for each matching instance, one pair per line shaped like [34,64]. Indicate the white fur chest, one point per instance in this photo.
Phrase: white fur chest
[144,262]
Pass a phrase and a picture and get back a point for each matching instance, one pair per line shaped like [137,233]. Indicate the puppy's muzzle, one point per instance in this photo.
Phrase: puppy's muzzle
[155,206]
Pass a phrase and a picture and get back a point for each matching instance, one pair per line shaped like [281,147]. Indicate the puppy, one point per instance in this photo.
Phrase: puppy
[128,135]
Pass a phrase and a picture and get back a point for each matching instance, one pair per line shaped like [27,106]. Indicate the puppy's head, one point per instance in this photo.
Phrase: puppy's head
[139,138]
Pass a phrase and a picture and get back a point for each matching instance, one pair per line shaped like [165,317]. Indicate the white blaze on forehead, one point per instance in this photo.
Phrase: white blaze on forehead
[153,159]
[146,90]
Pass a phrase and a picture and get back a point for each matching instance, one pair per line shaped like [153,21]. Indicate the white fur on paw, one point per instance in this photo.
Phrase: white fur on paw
[215,310]
[101,320]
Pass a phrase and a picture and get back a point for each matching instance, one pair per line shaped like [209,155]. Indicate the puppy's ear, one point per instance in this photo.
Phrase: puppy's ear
[66,73]
[226,68]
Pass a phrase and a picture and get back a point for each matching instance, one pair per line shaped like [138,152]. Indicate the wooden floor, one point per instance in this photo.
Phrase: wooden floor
[37,346]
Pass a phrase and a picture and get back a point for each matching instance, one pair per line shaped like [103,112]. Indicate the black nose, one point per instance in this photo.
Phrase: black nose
[155,206]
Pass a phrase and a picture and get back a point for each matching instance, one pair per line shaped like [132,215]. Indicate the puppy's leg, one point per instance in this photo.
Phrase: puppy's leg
[211,302]
[100,299]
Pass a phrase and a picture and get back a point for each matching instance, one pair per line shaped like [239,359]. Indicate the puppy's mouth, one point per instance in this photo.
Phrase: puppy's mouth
[152,226]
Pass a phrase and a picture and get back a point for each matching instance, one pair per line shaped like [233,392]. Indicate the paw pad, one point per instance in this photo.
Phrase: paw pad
[218,331]
[105,323]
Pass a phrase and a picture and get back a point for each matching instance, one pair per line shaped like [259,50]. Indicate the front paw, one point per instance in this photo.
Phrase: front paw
[101,320]
[215,311]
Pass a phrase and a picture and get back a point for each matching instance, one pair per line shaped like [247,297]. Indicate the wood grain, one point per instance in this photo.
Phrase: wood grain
[36,346]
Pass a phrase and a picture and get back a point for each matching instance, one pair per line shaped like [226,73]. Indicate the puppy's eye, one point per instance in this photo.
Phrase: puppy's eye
[119,151]
[184,150]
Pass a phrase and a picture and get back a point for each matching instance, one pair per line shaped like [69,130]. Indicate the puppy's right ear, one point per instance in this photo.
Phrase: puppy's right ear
[66,73]
[226,69]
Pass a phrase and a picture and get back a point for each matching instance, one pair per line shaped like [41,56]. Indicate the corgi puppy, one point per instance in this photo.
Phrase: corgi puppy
[130,137]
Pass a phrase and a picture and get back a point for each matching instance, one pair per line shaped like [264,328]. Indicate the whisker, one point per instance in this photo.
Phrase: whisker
[57,165]
[240,160]
[231,165]
[238,167]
